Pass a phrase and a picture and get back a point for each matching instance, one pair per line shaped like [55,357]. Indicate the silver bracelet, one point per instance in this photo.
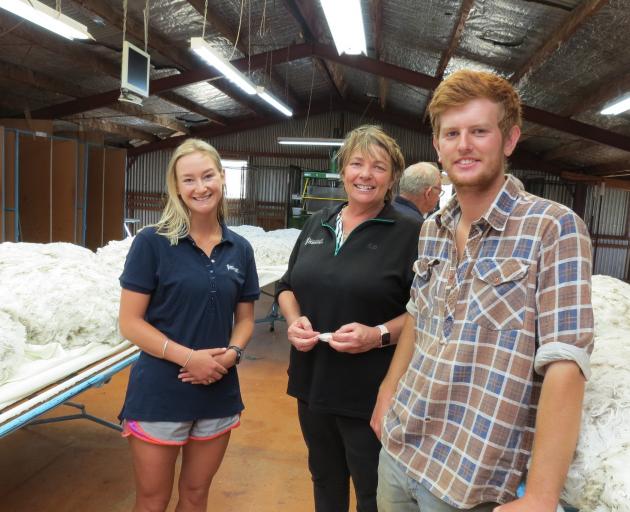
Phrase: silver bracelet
[166,341]
[188,358]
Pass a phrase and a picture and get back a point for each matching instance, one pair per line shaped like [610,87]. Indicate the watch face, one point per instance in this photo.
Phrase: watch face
[385,339]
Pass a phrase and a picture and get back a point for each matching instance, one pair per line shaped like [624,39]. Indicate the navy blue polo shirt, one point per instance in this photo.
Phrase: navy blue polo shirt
[193,298]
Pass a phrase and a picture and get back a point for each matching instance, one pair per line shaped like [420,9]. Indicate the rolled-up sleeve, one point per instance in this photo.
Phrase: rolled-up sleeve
[563,299]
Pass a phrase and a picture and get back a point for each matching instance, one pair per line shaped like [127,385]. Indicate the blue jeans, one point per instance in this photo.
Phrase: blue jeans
[397,492]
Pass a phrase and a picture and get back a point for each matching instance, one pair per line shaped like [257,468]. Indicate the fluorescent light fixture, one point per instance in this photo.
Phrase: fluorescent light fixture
[310,141]
[212,57]
[274,102]
[618,107]
[46,17]
[345,21]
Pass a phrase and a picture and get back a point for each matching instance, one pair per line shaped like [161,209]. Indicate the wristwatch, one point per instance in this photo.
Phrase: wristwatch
[385,336]
[239,352]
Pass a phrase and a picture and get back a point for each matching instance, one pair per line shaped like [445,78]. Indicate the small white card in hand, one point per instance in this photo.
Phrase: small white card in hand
[325,336]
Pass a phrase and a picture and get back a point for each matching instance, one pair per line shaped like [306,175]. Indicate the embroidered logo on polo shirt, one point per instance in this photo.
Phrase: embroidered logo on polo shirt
[310,241]
[233,269]
[372,246]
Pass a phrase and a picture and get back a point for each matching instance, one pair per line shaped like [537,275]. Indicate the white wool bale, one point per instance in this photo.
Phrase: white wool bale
[59,293]
[599,479]
[271,248]
[12,342]
[111,257]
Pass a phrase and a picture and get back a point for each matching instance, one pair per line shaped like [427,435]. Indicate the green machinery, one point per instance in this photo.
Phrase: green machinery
[320,189]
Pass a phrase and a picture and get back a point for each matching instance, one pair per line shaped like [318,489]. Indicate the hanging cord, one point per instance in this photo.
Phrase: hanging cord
[124,19]
[238,33]
[365,110]
[145,12]
[205,15]
[249,38]
[58,6]
[310,98]
[262,27]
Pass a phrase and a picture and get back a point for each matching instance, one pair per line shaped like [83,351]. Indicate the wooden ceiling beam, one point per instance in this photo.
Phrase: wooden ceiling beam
[191,106]
[42,81]
[456,36]
[160,85]
[532,114]
[603,91]
[577,128]
[453,44]
[132,110]
[181,59]
[580,15]
[594,180]
[616,168]
[303,14]
[360,62]
[237,125]
[94,124]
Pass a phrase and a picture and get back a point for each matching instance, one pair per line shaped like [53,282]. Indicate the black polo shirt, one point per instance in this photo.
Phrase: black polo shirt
[193,298]
[368,282]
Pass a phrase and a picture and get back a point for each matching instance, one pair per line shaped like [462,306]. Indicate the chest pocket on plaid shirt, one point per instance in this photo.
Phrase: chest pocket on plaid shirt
[499,291]
[422,286]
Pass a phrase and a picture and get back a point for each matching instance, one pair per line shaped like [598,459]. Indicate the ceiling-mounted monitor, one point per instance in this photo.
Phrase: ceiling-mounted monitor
[134,77]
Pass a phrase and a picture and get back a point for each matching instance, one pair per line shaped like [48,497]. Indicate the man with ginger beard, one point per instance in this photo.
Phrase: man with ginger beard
[488,375]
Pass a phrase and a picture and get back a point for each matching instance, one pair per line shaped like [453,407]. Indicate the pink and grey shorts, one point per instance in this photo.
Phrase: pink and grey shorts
[177,433]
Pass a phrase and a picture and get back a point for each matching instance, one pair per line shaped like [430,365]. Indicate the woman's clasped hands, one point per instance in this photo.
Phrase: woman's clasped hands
[207,366]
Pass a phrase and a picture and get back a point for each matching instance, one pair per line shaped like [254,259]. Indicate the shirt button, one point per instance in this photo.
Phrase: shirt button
[212,271]
[212,261]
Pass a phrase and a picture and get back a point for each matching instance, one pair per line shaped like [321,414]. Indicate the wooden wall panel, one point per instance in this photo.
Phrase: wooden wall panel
[94,199]
[80,183]
[9,186]
[114,194]
[34,189]
[64,167]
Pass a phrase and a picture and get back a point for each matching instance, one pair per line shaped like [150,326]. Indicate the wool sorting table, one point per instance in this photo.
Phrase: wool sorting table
[51,394]
[40,389]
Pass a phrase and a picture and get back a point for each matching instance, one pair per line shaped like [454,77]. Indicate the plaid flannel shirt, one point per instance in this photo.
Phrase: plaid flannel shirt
[462,421]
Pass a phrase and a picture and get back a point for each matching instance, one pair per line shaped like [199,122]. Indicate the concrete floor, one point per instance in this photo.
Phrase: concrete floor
[79,465]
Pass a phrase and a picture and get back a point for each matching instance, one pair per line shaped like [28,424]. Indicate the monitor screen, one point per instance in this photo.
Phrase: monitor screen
[135,69]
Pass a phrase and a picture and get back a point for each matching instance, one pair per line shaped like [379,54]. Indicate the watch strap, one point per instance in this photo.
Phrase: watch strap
[385,335]
[239,352]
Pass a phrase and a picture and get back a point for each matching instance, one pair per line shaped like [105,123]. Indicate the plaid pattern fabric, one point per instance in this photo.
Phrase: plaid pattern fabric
[462,421]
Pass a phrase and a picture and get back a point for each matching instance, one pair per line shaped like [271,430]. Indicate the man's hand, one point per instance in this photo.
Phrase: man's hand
[383,401]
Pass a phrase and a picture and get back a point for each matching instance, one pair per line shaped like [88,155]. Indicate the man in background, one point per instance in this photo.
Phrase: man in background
[420,190]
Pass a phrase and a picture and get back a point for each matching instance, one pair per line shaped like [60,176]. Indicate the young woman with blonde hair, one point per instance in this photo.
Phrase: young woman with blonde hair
[188,291]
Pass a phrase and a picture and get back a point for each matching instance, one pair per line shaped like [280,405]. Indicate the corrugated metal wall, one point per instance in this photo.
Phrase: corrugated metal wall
[608,218]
